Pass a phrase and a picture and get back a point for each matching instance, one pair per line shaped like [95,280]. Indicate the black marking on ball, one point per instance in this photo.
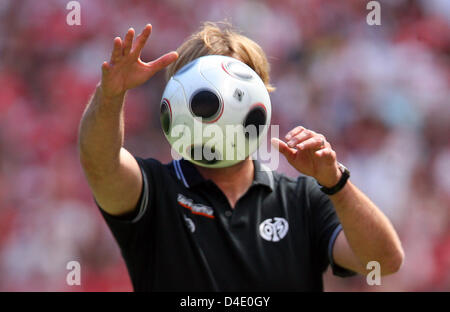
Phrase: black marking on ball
[256,117]
[205,104]
[165,117]
[238,94]
[199,150]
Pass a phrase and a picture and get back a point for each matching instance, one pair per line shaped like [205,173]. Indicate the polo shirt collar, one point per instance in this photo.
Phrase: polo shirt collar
[190,176]
[263,175]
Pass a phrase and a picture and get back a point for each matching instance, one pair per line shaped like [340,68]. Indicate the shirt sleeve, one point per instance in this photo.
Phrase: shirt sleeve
[127,228]
[326,227]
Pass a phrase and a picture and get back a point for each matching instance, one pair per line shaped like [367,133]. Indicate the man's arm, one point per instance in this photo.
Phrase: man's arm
[367,234]
[112,172]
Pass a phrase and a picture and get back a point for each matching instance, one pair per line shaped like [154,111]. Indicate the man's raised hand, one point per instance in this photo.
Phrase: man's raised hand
[126,70]
[310,153]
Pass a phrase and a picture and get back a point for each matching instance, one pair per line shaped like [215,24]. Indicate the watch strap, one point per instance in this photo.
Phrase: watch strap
[341,183]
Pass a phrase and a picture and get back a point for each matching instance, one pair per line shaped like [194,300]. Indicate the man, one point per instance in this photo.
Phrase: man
[189,228]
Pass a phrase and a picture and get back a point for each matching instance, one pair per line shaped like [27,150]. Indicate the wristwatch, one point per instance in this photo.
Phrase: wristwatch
[341,183]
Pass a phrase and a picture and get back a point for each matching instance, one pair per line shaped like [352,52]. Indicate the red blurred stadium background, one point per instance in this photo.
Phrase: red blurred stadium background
[379,93]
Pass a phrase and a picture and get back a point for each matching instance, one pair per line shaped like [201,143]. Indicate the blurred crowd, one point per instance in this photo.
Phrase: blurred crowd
[380,94]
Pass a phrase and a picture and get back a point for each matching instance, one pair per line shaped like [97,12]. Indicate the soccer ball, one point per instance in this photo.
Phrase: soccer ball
[215,111]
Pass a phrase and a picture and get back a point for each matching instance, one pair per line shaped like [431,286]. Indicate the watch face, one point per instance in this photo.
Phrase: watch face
[342,168]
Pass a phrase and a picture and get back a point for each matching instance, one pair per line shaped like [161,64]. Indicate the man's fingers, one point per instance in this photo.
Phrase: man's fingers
[105,68]
[316,142]
[283,148]
[161,62]
[294,132]
[327,154]
[299,138]
[142,39]
[128,41]
[116,53]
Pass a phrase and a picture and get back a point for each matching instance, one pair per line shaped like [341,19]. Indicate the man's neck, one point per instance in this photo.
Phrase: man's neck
[233,181]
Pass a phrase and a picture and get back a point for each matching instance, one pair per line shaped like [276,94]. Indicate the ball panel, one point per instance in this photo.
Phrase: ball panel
[186,67]
[238,70]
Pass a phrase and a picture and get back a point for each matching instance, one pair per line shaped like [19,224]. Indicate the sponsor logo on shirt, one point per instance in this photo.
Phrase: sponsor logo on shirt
[274,229]
[197,209]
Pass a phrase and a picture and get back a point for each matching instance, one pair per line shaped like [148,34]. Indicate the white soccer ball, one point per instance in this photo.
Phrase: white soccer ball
[215,111]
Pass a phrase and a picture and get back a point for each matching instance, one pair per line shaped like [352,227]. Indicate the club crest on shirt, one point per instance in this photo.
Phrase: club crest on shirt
[273,229]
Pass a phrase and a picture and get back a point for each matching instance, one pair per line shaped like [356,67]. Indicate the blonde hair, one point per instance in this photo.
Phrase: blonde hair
[222,39]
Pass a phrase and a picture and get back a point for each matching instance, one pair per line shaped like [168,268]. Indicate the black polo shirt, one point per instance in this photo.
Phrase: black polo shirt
[184,236]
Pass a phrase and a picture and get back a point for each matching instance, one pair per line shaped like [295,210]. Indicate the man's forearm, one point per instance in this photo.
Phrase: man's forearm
[101,134]
[368,231]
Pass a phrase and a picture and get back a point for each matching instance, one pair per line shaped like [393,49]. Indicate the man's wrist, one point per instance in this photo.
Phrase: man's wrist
[332,180]
[115,98]
[331,189]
